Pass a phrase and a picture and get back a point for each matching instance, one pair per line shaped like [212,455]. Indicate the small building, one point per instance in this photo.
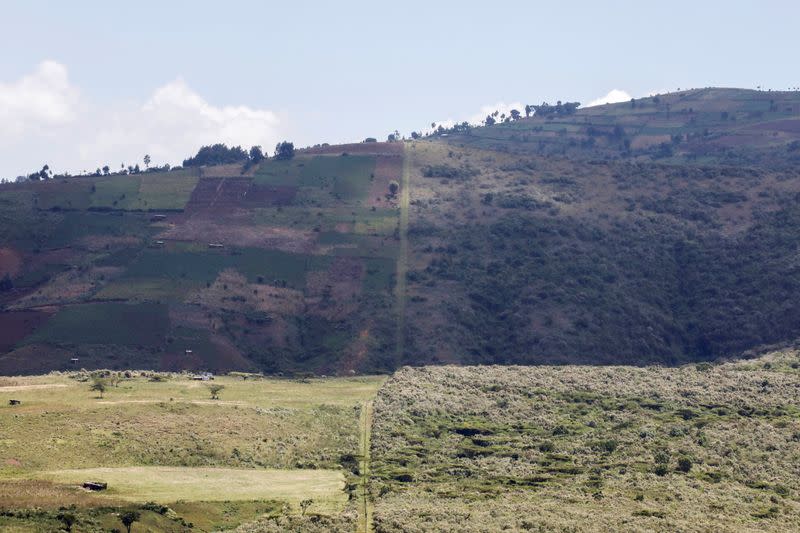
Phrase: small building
[188,353]
[216,245]
[156,218]
[203,376]
[74,360]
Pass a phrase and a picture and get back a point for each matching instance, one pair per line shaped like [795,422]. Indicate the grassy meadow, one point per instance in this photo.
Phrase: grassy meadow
[169,450]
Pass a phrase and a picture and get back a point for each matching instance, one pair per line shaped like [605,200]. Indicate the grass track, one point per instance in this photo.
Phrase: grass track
[170,484]
[365,505]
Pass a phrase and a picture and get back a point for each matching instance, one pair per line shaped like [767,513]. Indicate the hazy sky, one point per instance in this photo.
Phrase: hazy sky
[87,83]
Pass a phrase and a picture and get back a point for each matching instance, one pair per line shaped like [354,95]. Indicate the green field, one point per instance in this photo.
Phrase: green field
[204,266]
[142,324]
[347,177]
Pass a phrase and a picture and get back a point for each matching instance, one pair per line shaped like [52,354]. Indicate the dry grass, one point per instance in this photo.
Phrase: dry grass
[590,448]
[171,484]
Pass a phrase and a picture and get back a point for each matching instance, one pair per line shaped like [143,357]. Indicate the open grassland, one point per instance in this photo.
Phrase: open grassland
[171,484]
[267,444]
[695,448]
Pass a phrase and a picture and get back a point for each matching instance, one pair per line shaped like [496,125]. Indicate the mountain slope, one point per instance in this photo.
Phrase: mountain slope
[663,230]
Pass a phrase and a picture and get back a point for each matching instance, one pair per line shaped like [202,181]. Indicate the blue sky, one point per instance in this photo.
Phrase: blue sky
[84,83]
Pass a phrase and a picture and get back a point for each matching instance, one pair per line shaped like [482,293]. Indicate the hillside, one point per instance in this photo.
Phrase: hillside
[663,230]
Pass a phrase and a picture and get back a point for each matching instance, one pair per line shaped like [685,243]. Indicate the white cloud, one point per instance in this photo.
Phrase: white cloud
[40,99]
[45,119]
[174,122]
[614,96]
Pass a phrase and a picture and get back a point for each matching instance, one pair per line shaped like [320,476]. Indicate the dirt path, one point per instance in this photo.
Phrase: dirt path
[15,388]
[402,256]
[365,504]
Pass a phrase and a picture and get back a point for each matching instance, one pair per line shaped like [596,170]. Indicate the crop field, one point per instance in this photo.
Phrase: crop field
[142,324]
[346,177]
[205,247]
[168,450]
[695,448]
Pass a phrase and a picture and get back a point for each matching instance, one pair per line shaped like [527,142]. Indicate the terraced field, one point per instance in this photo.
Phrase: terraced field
[280,268]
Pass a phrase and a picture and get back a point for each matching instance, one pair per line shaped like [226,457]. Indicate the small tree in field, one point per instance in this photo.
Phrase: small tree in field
[128,518]
[304,505]
[215,390]
[99,386]
[68,519]
[394,187]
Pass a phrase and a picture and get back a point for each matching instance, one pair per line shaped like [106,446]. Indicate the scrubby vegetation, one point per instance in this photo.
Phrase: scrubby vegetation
[696,448]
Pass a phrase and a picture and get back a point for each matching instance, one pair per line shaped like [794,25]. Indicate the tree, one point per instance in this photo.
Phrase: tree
[106,170]
[128,518]
[68,519]
[256,154]
[215,390]
[684,464]
[217,154]
[284,151]
[99,385]
[304,505]
[515,114]
[528,110]
[415,135]
[489,120]
[393,188]
[147,160]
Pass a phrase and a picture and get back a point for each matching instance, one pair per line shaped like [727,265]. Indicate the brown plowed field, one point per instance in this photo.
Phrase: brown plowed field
[269,196]
[16,325]
[218,194]
[357,148]
[10,262]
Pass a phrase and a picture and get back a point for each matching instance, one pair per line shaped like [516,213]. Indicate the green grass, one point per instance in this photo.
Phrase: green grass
[347,178]
[75,225]
[148,289]
[265,444]
[165,190]
[115,192]
[204,266]
[142,324]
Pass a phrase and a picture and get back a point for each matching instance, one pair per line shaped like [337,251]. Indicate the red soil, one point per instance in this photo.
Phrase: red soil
[16,325]
[10,262]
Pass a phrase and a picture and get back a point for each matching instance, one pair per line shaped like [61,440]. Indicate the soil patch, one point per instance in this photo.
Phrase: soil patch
[16,325]
[10,262]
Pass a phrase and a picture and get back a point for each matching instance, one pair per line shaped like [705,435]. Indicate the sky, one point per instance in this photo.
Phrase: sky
[84,83]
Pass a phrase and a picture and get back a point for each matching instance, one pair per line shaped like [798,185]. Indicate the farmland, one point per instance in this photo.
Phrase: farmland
[658,231]
[133,270]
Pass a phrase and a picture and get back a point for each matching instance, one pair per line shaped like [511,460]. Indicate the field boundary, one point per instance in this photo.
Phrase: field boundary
[365,504]
[402,255]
